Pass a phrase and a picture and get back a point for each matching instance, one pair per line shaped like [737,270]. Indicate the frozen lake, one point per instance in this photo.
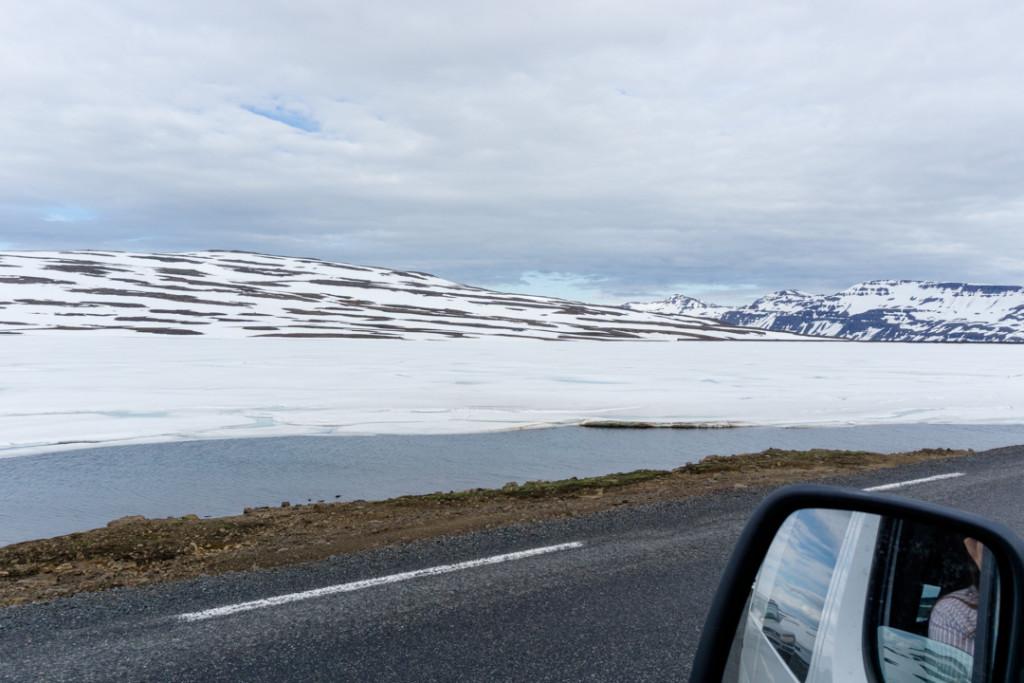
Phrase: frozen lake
[65,392]
[56,493]
[169,423]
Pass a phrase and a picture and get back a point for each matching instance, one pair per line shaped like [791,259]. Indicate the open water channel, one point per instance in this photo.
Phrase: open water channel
[58,493]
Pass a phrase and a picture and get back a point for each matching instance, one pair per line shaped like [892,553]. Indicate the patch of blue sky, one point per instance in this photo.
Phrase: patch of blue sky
[287,115]
[68,213]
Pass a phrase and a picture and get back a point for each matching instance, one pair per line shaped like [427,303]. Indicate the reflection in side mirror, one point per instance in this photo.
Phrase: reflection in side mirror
[835,585]
[837,589]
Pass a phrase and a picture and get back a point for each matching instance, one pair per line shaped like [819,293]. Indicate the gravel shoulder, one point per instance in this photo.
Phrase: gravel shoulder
[135,551]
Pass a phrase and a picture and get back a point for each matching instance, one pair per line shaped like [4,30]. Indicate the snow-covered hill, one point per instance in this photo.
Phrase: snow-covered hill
[883,310]
[236,294]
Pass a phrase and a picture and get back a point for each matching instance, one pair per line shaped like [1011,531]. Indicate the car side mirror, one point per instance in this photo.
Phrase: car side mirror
[830,584]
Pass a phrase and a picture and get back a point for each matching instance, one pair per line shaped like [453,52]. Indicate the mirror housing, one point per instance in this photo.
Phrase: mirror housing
[728,605]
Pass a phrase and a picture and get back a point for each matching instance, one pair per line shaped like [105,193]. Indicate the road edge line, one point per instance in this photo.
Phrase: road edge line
[368,583]
[911,482]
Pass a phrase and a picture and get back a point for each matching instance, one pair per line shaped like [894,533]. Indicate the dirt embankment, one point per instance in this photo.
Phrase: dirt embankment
[135,551]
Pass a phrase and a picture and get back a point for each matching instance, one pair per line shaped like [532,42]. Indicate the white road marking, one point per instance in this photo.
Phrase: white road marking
[367,583]
[901,484]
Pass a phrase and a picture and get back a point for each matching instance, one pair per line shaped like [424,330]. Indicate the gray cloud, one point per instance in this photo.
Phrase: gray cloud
[638,149]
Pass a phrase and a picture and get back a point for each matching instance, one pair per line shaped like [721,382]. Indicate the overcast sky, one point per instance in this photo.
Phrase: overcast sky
[606,151]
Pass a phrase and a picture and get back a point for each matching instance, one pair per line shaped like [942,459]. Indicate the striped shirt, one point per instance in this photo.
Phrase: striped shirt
[955,618]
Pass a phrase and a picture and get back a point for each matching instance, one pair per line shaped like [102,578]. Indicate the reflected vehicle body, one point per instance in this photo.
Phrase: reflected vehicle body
[793,586]
[830,585]
[771,625]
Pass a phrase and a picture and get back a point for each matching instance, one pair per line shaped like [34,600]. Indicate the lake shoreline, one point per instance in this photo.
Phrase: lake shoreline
[61,493]
[135,551]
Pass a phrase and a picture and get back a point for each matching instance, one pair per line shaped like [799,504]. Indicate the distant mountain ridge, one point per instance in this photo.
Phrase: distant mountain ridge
[878,310]
[239,294]
[680,304]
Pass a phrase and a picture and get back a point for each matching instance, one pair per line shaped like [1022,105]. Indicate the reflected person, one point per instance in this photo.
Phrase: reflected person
[954,618]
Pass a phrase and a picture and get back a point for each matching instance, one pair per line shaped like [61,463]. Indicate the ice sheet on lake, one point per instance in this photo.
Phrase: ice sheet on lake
[73,390]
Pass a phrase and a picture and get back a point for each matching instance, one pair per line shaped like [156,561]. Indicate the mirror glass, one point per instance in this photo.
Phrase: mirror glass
[849,596]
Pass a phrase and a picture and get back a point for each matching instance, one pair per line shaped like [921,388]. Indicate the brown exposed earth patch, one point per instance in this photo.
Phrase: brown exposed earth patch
[135,551]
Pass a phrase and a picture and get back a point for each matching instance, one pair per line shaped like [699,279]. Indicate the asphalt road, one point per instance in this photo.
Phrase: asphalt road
[628,603]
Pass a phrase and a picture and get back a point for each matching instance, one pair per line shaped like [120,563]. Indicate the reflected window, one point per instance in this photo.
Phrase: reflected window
[791,589]
[933,596]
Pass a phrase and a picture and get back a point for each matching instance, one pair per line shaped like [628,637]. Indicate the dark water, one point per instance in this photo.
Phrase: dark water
[58,493]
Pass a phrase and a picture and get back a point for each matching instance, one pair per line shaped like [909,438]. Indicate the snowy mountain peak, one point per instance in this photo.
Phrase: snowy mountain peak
[679,304]
[891,310]
[784,300]
[238,294]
